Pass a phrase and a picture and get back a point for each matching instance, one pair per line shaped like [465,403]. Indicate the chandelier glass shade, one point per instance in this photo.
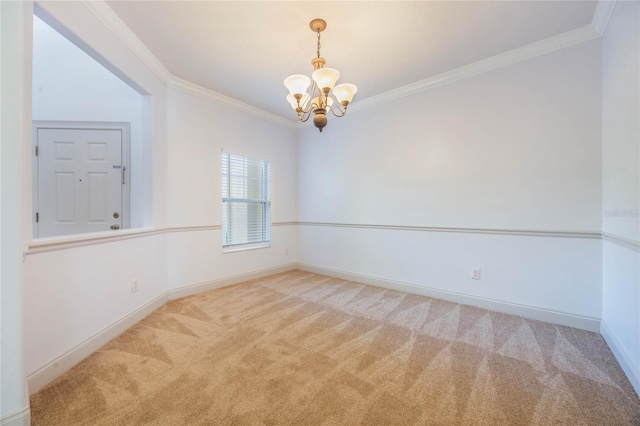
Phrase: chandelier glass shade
[323,89]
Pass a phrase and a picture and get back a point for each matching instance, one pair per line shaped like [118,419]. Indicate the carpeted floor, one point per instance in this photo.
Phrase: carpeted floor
[304,349]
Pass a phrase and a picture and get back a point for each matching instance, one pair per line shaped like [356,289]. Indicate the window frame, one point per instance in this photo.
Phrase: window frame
[265,201]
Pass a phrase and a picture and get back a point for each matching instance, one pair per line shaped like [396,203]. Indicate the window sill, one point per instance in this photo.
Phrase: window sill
[245,247]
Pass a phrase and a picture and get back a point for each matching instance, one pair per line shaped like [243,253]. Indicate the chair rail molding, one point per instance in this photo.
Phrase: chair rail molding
[596,235]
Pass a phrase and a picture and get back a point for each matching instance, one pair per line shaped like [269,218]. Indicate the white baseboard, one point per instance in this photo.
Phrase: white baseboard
[532,312]
[621,354]
[43,376]
[19,418]
[40,378]
[226,281]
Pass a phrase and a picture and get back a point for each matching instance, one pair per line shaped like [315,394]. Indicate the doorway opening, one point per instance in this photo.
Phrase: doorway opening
[87,142]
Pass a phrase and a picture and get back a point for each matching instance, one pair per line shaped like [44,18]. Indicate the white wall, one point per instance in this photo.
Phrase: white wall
[198,129]
[621,184]
[69,85]
[556,274]
[15,57]
[518,147]
[515,148]
[72,294]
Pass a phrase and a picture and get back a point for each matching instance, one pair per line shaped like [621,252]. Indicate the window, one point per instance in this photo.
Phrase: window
[246,202]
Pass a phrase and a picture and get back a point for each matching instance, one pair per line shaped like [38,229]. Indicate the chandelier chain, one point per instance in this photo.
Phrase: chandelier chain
[318,51]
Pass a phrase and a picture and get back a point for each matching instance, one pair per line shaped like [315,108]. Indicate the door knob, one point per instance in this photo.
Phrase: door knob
[115,226]
[116,215]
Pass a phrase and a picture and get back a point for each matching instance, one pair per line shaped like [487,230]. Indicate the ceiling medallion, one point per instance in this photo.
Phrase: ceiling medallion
[324,79]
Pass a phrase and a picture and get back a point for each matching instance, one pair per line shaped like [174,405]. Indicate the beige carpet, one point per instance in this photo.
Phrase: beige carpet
[304,349]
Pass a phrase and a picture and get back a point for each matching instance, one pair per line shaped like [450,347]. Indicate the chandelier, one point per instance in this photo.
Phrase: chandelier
[318,100]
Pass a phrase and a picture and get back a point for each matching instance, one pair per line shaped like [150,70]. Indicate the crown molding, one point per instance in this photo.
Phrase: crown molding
[601,16]
[211,95]
[102,10]
[548,45]
[560,41]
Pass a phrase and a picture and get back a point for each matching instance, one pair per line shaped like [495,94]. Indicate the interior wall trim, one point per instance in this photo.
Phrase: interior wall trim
[622,241]
[102,10]
[538,48]
[64,243]
[284,223]
[210,95]
[188,290]
[624,359]
[601,16]
[193,228]
[44,375]
[49,372]
[498,231]
[526,311]
[569,38]
[19,418]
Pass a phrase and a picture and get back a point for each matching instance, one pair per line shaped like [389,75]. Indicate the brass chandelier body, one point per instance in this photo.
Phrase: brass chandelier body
[324,80]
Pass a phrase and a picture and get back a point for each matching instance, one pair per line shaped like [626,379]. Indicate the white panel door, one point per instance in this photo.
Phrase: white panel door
[79,181]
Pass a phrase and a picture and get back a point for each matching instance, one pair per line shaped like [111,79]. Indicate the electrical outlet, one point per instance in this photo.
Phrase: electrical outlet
[475,273]
[134,285]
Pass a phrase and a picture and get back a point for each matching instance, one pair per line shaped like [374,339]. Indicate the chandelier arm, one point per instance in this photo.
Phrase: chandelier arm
[307,111]
[303,119]
[341,112]
[304,115]
[311,106]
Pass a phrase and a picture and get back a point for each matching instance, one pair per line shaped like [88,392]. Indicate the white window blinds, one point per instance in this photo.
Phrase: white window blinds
[246,200]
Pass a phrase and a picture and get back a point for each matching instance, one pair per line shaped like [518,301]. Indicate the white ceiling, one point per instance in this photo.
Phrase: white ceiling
[246,49]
